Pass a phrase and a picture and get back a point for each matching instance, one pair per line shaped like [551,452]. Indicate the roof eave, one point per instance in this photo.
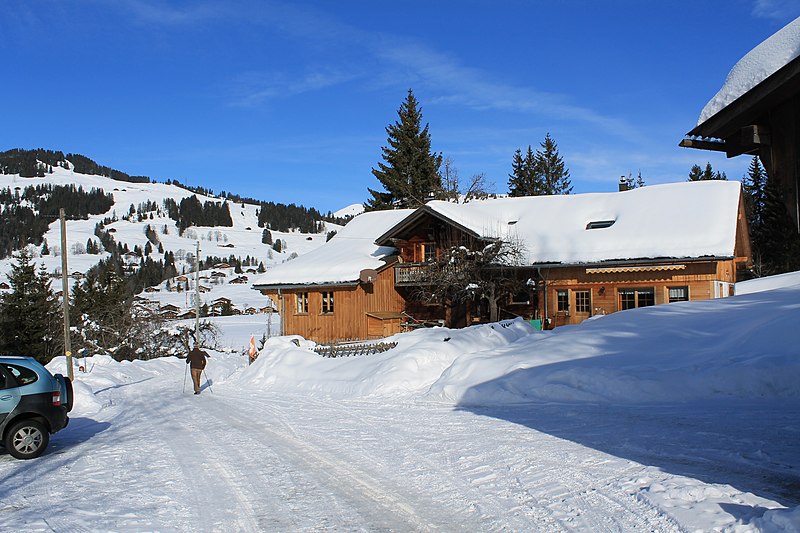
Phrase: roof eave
[386,238]
[723,130]
[293,286]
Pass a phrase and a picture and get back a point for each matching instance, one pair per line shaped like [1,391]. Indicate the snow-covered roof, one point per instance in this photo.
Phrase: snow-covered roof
[341,259]
[675,220]
[759,64]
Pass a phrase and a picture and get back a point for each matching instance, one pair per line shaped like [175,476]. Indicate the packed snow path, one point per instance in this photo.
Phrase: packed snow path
[149,457]
[156,459]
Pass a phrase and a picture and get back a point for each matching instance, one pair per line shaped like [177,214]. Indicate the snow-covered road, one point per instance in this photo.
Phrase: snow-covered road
[233,460]
[636,422]
[229,460]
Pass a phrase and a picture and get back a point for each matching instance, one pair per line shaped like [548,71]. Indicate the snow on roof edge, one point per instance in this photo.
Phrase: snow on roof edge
[756,66]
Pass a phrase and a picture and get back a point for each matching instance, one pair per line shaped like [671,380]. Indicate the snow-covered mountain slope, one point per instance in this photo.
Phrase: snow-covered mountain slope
[678,417]
[350,211]
[241,240]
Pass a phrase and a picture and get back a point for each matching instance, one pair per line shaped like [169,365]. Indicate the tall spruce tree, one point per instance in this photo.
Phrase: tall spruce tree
[524,180]
[773,236]
[753,185]
[540,173]
[550,169]
[30,320]
[778,241]
[410,171]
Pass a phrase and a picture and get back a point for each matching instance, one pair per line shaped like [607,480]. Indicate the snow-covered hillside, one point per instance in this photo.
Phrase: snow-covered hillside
[678,417]
[241,240]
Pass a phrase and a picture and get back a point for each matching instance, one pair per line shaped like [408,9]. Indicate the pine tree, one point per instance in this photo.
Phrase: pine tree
[777,240]
[700,174]
[753,186]
[634,183]
[517,178]
[411,171]
[550,170]
[30,321]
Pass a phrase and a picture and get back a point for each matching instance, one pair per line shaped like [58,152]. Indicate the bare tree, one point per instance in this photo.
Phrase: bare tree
[450,181]
[477,188]
[490,272]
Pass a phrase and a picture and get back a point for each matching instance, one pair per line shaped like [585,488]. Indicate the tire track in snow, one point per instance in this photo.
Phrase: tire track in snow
[380,507]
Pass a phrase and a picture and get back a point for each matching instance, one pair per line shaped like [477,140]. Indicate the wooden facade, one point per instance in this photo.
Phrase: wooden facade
[340,312]
[575,293]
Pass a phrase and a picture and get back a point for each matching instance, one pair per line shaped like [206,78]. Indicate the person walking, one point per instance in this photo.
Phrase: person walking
[197,362]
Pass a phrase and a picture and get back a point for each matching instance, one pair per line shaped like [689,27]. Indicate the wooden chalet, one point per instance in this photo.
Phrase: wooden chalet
[757,112]
[583,255]
[342,290]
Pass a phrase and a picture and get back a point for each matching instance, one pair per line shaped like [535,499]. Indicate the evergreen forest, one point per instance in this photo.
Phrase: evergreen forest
[27,213]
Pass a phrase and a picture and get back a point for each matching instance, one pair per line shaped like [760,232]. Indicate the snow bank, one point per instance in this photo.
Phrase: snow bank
[104,373]
[418,361]
[676,352]
[768,283]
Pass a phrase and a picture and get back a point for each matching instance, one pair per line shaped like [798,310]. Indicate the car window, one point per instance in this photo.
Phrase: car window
[24,376]
[3,380]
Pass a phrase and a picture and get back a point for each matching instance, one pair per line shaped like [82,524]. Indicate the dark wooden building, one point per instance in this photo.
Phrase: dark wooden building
[764,120]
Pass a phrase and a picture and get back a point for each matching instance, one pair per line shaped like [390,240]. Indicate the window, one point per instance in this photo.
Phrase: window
[583,301]
[600,224]
[302,303]
[627,299]
[647,297]
[678,294]
[428,252]
[632,298]
[562,298]
[327,302]
[24,376]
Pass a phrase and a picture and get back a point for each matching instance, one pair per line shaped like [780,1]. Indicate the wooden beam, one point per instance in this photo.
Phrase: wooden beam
[717,146]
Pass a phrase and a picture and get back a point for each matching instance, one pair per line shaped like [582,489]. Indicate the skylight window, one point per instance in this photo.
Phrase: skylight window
[600,224]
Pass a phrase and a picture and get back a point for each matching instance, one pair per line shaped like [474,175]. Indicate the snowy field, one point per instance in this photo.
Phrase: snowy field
[679,417]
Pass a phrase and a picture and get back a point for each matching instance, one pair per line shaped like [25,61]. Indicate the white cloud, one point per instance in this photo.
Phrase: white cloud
[782,10]
[155,12]
[256,88]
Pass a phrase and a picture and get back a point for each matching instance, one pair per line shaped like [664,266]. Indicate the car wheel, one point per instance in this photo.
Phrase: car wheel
[27,439]
[70,394]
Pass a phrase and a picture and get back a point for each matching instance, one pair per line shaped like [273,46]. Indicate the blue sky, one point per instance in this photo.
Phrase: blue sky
[289,101]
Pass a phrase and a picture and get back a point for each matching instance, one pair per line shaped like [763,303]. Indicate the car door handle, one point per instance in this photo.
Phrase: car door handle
[5,398]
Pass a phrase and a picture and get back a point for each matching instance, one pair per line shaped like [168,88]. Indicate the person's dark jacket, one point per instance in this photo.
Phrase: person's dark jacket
[196,358]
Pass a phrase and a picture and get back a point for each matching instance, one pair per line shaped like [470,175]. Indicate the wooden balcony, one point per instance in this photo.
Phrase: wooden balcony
[409,274]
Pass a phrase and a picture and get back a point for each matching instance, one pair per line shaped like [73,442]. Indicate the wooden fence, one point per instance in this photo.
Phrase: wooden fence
[353,350]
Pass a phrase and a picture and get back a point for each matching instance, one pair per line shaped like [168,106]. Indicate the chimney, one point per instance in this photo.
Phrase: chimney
[623,184]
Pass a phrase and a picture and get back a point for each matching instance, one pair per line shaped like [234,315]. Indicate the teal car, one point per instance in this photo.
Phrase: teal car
[33,404]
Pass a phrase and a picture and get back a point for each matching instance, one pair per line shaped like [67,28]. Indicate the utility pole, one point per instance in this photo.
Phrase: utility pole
[65,293]
[197,296]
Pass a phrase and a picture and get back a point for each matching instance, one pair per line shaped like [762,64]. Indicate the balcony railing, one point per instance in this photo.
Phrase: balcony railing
[412,274]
